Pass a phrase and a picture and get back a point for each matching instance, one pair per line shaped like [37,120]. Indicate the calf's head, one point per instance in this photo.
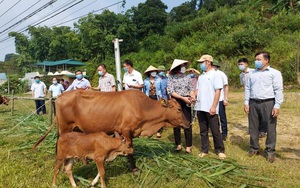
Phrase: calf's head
[4,100]
[125,147]
[175,114]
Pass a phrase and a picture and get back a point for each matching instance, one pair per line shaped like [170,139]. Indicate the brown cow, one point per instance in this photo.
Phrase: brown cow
[130,113]
[4,100]
[97,146]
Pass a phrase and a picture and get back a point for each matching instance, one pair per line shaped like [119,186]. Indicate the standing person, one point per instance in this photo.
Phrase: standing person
[38,90]
[132,79]
[79,83]
[194,76]
[153,88]
[164,81]
[209,88]
[56,89]
[107,81]
[244,75]
[180,87]
[66,84]
[263,97]
[223,101]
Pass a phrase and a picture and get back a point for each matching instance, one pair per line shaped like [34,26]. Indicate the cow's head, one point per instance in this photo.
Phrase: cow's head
[175,115]
[4,100]
[125,147]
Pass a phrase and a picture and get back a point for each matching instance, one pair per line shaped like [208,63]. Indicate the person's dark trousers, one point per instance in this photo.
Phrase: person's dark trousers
[206,122]
[40,106]
[223,118]
[260,113]
[188,131]
[53,107]
[154,97]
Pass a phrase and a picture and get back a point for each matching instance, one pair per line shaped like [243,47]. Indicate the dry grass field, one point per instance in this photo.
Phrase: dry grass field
[22,168]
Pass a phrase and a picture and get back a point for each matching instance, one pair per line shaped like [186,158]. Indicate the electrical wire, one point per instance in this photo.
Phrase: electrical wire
[10,8]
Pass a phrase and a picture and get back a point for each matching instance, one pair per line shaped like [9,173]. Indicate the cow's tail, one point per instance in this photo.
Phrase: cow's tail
[44,136]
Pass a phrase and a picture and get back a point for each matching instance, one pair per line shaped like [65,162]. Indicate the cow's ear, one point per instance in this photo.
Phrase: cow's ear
[117,135]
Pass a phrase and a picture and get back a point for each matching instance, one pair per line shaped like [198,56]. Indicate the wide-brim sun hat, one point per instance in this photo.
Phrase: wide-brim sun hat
[192,69]
[178,62]
[150,69]
[205,57]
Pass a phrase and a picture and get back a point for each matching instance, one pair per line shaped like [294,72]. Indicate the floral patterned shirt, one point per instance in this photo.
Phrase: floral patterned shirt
[180,84]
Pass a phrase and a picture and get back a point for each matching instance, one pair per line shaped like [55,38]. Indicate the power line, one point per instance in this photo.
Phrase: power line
[20,13]
[30,15]
[10,7]
[1,1]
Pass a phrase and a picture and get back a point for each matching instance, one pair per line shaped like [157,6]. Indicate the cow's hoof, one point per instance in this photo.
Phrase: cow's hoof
[136,171]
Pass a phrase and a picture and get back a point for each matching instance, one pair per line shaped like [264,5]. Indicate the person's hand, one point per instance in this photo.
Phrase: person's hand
[130,86]
[212,111]
[225,102]
[275,112]
[186,100]
[246,109]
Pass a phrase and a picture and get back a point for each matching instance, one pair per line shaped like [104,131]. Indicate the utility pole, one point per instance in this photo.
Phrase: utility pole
[297,65]
[118,62]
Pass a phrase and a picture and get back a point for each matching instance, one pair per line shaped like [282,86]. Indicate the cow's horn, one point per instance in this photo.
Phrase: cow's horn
[123,140]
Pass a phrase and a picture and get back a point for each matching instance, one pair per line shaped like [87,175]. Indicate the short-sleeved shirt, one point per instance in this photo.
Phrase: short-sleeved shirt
[38,89]
[56,89]
[208,83]
[135,78]
[180,84]
[106,82]
[83,83]
[225,82]
[245,75]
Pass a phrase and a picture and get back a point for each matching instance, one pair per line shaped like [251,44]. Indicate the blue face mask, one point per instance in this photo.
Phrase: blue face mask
[125,69]
[37,80]
[161,73]
[79,76]
[258,64]
[54,82]
[192,75]
[100,73]
[203,67]
[242,67]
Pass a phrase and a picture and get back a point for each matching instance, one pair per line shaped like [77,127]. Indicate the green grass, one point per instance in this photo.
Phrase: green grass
[159,166]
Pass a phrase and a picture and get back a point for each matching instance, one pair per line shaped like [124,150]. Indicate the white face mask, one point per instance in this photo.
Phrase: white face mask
[153,74]
[182,70]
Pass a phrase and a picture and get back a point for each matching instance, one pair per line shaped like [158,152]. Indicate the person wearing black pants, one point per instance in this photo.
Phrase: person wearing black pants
[40,106]
[180,87]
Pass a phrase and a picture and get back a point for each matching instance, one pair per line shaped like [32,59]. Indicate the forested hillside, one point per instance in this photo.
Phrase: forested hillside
[226,29]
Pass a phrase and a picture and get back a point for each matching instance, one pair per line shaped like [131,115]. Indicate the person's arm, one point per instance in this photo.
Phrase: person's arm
[213,109]
[278,92]
[247,95]
[226,89]
[45,90]
[113,81]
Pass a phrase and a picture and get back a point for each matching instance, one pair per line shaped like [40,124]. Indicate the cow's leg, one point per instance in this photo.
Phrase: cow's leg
[68,169]
[128,136]
[101,172]
[58,163]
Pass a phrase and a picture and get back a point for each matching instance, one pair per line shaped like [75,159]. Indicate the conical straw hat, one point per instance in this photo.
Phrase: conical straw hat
[192,69]
[178,62]
[150,68]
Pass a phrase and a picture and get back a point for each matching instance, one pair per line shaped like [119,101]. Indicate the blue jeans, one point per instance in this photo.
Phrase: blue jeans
[223,118]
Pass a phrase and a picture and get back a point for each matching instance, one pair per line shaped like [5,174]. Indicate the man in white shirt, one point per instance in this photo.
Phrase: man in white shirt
[209,88]
[245,70]
[132,79]
[80,82]
[38,90]
[56,89]
[223,101]
[107,81]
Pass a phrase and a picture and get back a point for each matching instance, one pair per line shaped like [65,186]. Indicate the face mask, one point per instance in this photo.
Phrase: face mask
[258,64]
[37,81]
[125,69]
[79,76]
[203,67]
[192,75]
[153,74]
[182,69]
[161,73]
[242,67]
[100,73]
[54,82]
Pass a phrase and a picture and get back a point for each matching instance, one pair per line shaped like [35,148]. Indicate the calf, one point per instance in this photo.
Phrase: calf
[96,146]
[4,100]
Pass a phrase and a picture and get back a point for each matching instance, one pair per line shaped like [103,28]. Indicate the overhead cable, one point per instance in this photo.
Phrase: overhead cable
[10,8]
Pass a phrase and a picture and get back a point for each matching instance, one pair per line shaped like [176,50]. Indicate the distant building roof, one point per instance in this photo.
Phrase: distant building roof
[3,76]
[61,62]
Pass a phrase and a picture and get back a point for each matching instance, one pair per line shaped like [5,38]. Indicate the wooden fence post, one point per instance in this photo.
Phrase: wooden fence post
[51,107]
[12,103]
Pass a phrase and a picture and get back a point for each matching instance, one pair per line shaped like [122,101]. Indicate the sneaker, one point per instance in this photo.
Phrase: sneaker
[224,137]
[252,153]
[201,155]
[222,156]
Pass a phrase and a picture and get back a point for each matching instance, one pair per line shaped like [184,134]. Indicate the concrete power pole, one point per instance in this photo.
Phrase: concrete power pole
[118,63]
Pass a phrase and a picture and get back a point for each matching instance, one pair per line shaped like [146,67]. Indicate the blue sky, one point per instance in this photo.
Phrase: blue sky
[12,11]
